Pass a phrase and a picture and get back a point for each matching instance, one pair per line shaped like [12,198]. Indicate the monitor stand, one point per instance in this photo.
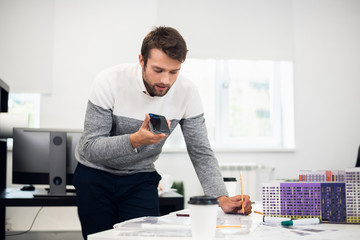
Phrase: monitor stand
[57,166]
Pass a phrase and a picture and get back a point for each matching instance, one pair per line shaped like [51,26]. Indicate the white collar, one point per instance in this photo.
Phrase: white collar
[141,81]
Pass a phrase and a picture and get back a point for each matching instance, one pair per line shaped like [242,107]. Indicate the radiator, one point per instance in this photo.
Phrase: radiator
[253,175]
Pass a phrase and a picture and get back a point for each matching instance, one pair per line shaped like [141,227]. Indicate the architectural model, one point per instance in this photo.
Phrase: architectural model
[332,196]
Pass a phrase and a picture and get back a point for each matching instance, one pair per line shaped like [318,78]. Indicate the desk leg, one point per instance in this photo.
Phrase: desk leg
[2,223]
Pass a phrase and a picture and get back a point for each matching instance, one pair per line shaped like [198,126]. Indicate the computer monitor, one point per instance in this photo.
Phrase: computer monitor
[4,98]
[45,156]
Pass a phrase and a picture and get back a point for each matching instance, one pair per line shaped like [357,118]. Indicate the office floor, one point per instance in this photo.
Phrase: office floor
[60,235]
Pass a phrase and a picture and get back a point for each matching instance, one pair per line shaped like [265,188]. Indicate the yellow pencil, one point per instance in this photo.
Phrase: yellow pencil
[242,194]
[228,226]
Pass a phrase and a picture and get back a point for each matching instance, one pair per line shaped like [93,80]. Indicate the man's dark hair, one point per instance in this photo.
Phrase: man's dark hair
[166,39]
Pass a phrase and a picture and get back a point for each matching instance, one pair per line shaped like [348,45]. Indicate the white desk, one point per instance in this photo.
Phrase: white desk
[253,228]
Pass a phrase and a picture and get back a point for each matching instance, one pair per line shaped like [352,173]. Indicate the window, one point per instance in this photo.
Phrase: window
[248,104]
[27,103]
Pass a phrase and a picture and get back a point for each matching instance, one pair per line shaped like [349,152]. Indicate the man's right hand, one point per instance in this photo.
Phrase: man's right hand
[144,136]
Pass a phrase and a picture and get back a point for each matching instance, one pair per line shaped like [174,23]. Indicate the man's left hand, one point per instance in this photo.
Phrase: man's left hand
[234,204]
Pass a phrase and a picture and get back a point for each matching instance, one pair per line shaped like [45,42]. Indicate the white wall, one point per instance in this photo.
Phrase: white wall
[26,44]
[321,37]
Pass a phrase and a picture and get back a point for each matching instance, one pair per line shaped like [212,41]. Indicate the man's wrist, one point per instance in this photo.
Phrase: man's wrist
[221,199]
[133,141]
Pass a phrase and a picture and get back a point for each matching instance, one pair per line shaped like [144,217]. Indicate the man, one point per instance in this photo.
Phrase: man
[116,179]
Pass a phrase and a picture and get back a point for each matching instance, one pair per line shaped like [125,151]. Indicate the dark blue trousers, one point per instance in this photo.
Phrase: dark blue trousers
[104,199]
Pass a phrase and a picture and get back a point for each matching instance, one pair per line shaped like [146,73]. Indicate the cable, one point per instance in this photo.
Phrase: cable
[20,233]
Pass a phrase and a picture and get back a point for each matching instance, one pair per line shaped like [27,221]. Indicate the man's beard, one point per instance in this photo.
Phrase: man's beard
[153,91]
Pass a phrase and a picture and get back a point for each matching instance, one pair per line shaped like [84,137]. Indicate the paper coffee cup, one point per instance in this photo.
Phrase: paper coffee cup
[203,217]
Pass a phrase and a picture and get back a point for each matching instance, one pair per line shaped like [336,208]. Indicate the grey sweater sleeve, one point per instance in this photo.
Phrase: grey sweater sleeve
[97,144]
[202,156]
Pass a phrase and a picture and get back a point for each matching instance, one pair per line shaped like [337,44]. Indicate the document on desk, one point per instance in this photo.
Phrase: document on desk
[313,232]
[165,226]
[179,225]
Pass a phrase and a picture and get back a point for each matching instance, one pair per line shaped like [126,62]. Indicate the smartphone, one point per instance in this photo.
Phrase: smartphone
[158,124]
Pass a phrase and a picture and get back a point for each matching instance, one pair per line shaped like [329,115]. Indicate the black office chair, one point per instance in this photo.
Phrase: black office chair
[358,159]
